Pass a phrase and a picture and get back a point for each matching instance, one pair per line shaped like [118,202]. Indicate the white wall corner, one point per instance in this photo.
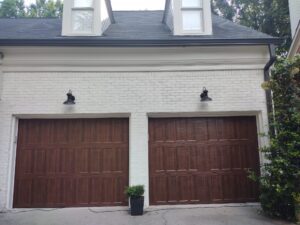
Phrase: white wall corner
[66,18]
[208,18]
[294,6]
[176,5]
[295,47]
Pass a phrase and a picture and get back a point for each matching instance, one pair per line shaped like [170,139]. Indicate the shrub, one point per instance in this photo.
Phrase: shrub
[280,179]
[135,191]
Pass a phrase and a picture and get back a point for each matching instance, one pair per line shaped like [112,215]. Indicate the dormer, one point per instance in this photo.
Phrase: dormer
[188,17]
[86,17]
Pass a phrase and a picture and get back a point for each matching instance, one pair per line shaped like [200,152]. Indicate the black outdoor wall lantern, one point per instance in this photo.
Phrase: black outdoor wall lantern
[204,95]
[70,98]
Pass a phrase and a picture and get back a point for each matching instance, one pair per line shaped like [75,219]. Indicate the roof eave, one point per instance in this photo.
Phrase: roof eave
[88,42]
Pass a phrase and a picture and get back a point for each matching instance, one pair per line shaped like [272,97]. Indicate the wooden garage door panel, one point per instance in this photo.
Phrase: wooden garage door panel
[78,162]
[202,160]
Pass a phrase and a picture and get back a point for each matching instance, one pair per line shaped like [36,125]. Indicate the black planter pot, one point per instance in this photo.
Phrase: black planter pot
[137,206]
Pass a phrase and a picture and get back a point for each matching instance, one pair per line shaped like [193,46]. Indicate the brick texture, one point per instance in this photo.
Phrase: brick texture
[134,93]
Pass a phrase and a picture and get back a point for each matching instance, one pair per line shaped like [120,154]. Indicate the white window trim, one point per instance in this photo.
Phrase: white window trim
[67,29]
[190,9]
[178,22]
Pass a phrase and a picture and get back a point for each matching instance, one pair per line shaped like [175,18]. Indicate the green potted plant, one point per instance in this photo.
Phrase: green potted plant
[297,206]
[135,193]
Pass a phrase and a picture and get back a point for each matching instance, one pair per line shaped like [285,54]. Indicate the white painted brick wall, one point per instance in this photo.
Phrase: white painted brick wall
[137,93]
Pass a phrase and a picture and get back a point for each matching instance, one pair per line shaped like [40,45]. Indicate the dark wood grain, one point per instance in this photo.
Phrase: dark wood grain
[75,162]
[202,160]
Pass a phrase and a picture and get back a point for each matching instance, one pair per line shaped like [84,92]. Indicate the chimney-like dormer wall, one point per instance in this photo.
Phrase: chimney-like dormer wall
[188,17]
[105,20]
[85,18]
[168,15]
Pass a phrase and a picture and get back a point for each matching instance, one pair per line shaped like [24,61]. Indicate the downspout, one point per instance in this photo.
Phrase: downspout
[267,78]
[1,57]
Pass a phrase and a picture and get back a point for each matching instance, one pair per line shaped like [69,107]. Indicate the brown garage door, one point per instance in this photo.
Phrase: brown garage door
[202,160]
[77,162]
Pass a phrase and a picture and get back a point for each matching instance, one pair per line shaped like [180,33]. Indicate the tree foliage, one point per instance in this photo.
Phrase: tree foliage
[280,181]
[268,16]
[12,8]
[42,8]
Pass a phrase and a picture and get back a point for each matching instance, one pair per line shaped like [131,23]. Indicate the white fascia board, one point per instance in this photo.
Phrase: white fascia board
[131,59]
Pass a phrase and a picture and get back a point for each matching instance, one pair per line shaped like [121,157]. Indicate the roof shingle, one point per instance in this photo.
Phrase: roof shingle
[130,26]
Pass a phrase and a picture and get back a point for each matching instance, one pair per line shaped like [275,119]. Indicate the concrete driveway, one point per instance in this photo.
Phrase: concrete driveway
[244,214]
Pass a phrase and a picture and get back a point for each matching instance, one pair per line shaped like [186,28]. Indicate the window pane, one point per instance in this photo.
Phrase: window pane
[192,3]
[192,20]
[83,3]
[82,20]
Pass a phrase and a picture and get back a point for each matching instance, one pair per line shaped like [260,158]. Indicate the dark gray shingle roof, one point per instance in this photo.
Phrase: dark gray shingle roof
[131,27]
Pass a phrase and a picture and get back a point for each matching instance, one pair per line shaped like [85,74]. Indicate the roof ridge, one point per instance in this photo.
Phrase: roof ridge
[148,31]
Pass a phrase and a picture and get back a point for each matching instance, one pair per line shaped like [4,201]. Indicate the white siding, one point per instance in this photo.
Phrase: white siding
[294,14]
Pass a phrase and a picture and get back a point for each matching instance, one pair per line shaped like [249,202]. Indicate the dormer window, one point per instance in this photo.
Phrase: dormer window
[189,17]
[192,15]
[86,17]
[82,16]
